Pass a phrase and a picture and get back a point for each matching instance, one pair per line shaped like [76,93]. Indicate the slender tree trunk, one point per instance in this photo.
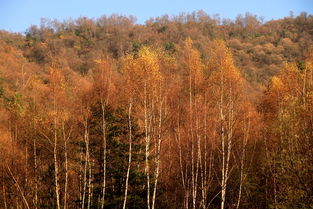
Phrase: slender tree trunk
[56,167]
[18,188]
[158,154]
[104,152]
[204,178]
[198,163]
[4,198]
[130,153]
[187,194]
[90,185]
[66,166]
[35,173]
[191,139]
[181,163]
[147,136]
[26,163]
[243,154]
[106,75]
[223,183]
[226,162]
[229,142]
[193,186]
[209,175]
[80,177]
[86,139]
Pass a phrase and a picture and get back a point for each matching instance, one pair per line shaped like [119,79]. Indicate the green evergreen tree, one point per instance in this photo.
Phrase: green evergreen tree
[117,159]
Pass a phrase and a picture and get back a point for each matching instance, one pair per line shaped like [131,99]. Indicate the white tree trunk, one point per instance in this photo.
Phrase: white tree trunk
[80,177]
[158,153]
[104,152]
[223,181]
[4,199]
[242,162]
[147,152]
[19,188]
[129,155]
[86,139]
[181,163]
[56,167]
[66,165]
[90,185]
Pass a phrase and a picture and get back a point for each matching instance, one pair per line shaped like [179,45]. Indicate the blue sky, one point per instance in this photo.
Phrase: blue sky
[18,15]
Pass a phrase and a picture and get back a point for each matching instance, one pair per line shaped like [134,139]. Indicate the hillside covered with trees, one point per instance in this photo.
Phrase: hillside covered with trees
[189,111]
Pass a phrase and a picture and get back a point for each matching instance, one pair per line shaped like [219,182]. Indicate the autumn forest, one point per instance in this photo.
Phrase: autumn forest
[184,112]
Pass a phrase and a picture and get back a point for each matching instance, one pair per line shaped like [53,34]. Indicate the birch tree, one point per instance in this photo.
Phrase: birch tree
[228,88]
[103,86]
[194,67]
[144,74]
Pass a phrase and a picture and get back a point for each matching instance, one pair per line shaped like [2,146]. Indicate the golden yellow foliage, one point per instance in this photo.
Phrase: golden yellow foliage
[142,70]
[222,68]
[276,83]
